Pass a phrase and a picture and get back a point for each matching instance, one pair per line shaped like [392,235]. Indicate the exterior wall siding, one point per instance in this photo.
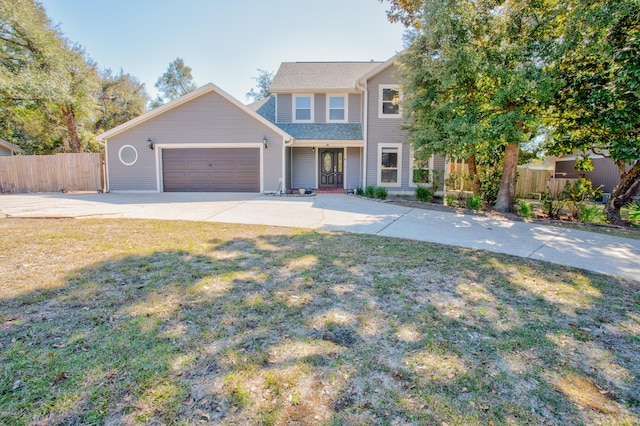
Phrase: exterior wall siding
[284,108]
[303,168]
[354,168]
[287,173]
[384,130]
[355,108]
[605,172]
[209,119]
[5,152]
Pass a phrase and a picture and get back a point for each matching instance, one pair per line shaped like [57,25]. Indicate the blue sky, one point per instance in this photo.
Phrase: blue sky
[224,42]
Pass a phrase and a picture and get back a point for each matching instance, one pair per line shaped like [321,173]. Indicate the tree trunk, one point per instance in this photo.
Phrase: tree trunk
[473,171]
[69,117]
[507,190]
[622,194]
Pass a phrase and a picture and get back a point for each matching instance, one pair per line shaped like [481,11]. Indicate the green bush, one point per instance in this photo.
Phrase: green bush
[381,193]
[359,191]
[552,206]
[474,202]
[634,212]
[450,200]
[524,209]
[423,194]
[578,193]
[370,191]
[591,213]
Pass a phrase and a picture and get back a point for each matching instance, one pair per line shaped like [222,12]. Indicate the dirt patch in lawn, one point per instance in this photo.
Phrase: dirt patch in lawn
[157,322]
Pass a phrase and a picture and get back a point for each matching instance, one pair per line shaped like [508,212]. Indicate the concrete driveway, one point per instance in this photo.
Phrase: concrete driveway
[594,252]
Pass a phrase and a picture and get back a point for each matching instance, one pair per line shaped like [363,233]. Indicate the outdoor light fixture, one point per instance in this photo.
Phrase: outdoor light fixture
[150,143]
[265,142]
[313,149]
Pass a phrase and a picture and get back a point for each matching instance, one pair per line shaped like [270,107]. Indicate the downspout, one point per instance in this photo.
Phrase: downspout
[365,115]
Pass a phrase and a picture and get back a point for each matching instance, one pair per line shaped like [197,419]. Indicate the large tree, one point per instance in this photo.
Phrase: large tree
[263,83]
[176,81]
[597,107]
[122,97]
[473,78]
[44,77]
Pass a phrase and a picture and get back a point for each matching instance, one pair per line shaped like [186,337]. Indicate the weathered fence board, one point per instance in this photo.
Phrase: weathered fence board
[51,173]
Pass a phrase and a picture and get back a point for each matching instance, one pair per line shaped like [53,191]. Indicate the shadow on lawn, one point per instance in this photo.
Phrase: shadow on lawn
[317,327]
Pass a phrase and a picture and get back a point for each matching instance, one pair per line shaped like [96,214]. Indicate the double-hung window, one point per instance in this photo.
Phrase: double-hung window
[390,164]
[389,101]
[337,108]
[303,108]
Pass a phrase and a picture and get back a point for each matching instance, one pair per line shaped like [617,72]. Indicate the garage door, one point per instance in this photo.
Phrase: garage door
[211,170]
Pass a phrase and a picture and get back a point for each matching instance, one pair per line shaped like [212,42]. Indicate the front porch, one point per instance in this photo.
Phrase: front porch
[326,168]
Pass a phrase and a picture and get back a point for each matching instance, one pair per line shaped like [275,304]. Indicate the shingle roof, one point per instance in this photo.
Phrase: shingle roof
[265,107]
[303,76]
[323,131]
[10,146]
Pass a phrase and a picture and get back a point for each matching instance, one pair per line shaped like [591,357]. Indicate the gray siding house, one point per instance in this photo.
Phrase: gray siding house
[331,126]
[8,149]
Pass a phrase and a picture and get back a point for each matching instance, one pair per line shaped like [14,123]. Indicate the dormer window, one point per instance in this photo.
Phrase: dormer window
[303,108]
[337,108]
[389,101]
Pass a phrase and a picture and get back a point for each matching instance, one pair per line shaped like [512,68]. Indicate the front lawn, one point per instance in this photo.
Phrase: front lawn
[125,322]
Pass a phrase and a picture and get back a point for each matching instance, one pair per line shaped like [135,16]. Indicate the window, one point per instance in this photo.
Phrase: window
[303,108]
[337,108]
[390,161]
[128,155]
[389,102]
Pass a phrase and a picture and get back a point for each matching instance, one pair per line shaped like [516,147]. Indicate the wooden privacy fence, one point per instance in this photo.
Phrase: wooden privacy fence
[51,173]
[532,182]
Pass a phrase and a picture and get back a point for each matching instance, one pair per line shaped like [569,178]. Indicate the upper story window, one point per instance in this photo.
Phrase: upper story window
[389,101]
[337,108]
[303,108]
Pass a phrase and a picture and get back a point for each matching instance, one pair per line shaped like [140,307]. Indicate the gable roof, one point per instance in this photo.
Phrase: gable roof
[207,88]
[310,76]
[381,67]
[11,147]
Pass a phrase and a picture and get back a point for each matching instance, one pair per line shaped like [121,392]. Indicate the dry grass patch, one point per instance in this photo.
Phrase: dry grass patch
[152,322]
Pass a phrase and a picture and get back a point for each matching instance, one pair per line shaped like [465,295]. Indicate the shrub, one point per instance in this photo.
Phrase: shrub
[370,191]
[552,206]
[577,193]
[634,212]
[524,209]
[474,202]
[359,191]
[423,194]
[381,193]
[450,200]
[591,213]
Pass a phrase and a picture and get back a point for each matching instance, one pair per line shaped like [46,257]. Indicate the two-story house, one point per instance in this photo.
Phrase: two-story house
[327,126]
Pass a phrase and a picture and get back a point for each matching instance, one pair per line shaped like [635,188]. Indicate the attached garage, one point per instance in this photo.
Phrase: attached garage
[211,170]
[205,141]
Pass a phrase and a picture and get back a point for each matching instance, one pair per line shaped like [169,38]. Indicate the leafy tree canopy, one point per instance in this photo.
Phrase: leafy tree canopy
[263,84]
[176,81]
[473,79]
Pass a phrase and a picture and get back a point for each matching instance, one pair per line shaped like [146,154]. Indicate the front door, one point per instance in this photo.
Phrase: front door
[331,168]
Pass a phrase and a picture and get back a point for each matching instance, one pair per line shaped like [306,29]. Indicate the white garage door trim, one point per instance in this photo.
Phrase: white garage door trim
[160,146]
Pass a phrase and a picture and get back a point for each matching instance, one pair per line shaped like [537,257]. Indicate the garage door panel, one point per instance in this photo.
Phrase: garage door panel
[211,169]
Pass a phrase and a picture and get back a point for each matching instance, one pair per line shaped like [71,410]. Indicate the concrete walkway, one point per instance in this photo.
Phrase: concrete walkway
[591,251]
